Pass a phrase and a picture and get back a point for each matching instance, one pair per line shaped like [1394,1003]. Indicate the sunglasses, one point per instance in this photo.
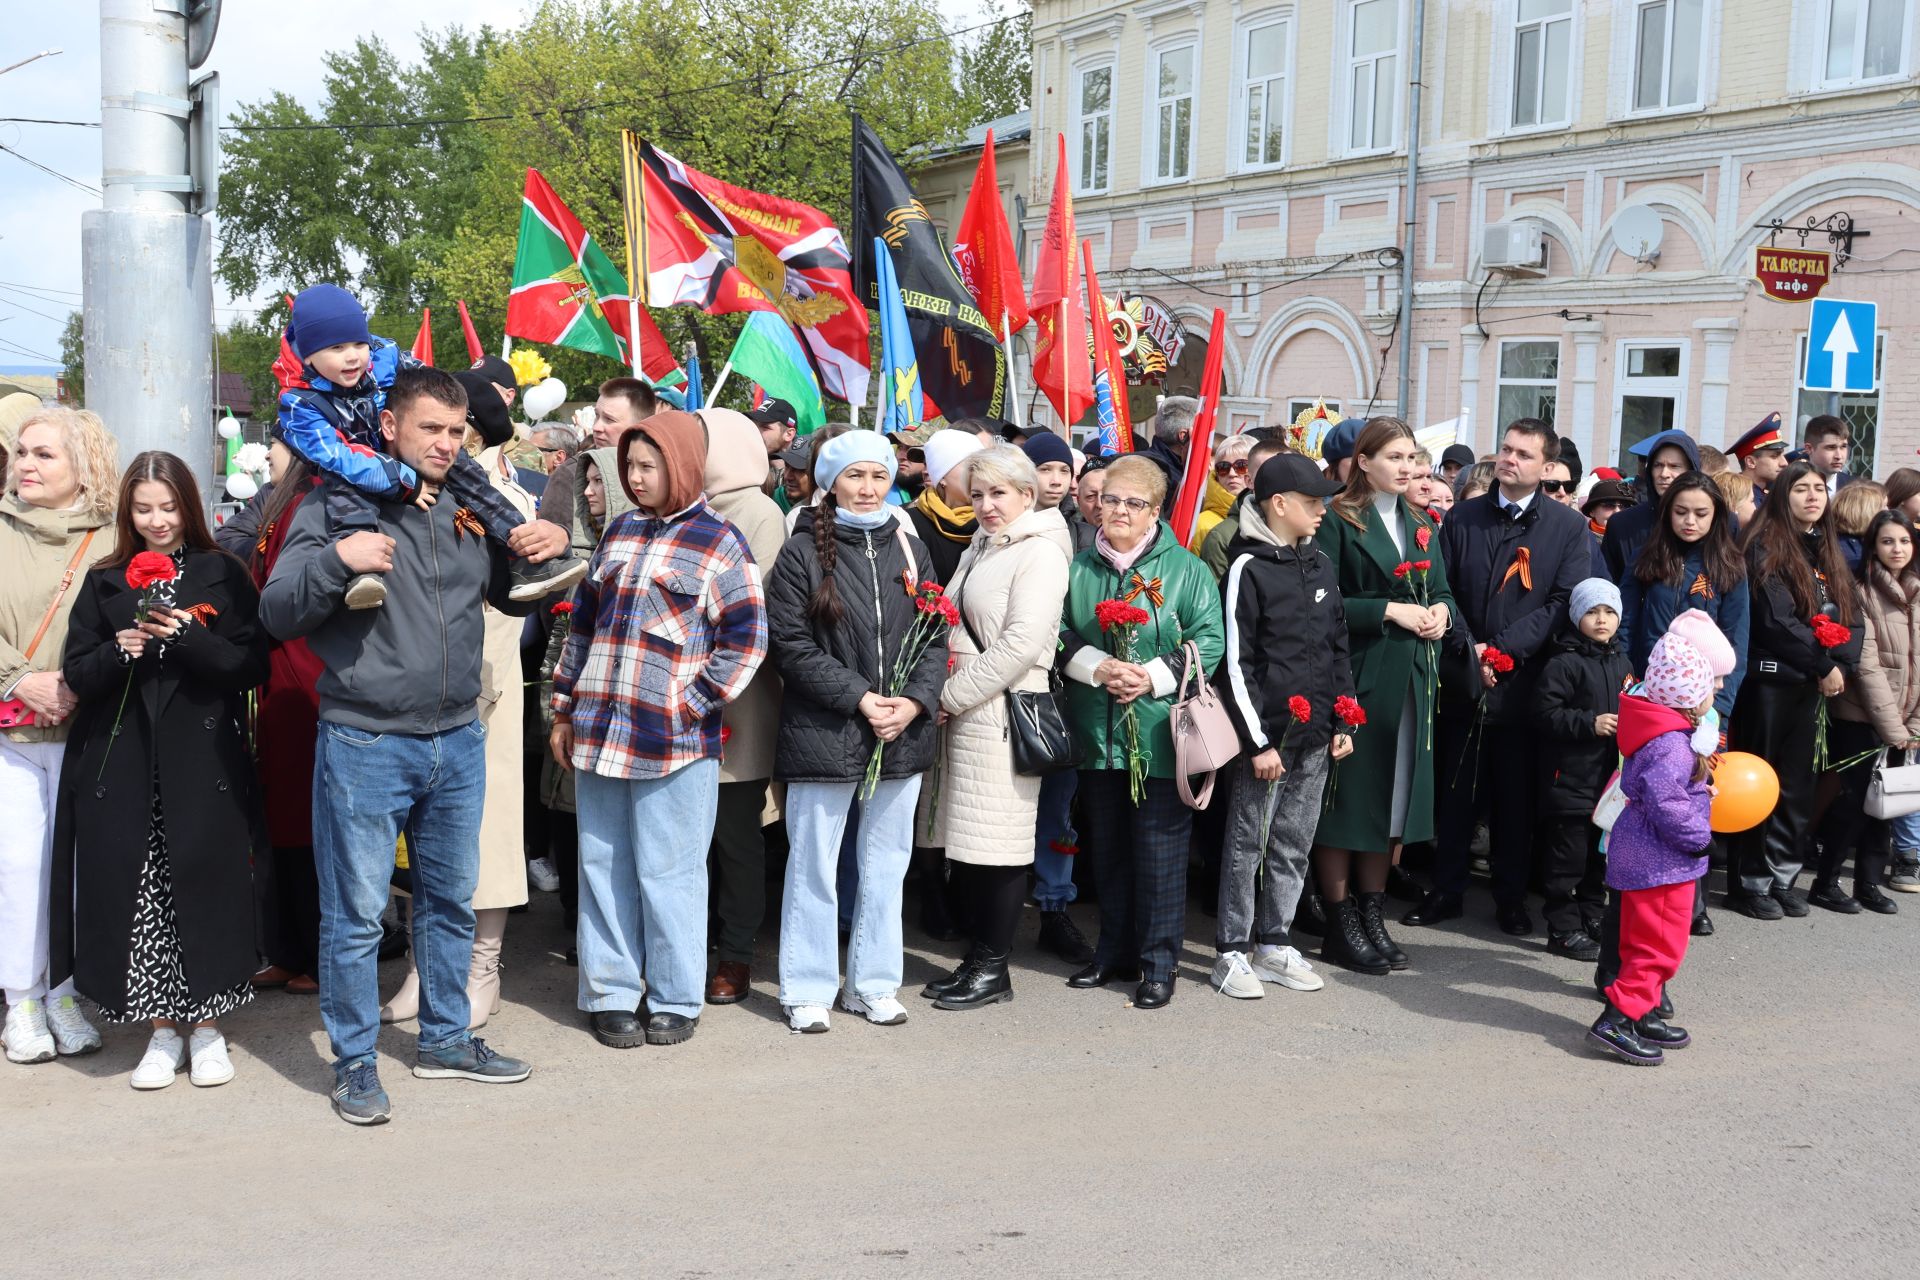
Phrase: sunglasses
[1234,467]
[1556,486]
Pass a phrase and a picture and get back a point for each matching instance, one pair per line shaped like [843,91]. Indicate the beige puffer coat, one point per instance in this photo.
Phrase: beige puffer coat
[1885,690]
[36,546]
[736,468]
[1011,586]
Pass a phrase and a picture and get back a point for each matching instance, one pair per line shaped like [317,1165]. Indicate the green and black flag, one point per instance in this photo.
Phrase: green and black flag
[963,370]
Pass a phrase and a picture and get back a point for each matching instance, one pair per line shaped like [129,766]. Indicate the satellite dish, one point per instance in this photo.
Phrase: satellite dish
[203,21]
[1637,232]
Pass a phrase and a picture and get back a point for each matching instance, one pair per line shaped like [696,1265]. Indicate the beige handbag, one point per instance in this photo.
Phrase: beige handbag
[1204,739]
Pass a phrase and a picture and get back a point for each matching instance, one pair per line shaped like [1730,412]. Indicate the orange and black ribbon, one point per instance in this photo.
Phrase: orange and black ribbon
[205,613]
[1701,587]
[1523,567]
[464,522]
[1152,588]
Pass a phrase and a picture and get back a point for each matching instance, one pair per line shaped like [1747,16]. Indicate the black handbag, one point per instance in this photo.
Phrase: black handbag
[1042,741]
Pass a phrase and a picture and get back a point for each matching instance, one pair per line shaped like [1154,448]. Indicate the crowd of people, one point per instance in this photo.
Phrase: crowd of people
[416,676]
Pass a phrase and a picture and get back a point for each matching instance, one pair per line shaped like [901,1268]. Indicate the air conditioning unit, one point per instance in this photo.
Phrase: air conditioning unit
[1516,247]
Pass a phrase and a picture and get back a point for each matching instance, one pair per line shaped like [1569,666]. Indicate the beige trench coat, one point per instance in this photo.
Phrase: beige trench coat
[503,858]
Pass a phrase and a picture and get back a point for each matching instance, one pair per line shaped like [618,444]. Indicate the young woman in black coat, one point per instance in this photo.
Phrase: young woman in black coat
[158,821]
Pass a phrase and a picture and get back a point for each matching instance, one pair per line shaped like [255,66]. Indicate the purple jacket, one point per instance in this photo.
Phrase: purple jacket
[1663,835]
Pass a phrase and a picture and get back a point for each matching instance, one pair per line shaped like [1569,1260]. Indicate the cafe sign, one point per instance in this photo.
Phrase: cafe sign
[1792,275]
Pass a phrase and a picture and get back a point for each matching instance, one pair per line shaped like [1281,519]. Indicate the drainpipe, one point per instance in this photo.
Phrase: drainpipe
[1404,335]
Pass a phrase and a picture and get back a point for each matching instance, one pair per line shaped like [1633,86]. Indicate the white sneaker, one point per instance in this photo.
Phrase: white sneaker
[73,1035]
[26,1034]
[1233,976]
[542,875]
[211,1066]
[1286,967]
[807,1019]
[165,1058]
[881,1011]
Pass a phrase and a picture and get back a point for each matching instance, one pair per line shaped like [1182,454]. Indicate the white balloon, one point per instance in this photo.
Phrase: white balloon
[241,486]
[544,397]
[228,427]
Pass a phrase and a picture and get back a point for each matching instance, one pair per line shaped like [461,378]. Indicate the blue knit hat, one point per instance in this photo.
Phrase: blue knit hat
[858,445]
[326,315]
[1044,446]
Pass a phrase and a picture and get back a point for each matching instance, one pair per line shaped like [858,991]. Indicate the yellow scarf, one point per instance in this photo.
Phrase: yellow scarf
[955,524]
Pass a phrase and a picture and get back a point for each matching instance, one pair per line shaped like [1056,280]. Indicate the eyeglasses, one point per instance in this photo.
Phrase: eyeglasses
[1233,466]
[1136,505]
[1556,486]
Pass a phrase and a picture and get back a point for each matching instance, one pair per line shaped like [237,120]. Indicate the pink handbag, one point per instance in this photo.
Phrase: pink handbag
[1204,739]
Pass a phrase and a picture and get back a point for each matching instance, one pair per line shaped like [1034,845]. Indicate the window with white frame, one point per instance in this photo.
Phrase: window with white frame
[1373,73]
[1173,114]
[1263,79]
[1528,381]
[1862,41]
[1668,38]
[1542,62]
[1647,394]
[1297,407]
[1860,409]
[1093,108]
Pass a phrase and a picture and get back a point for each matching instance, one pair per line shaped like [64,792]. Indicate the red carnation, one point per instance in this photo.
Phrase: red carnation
[949,612]
[1423,565]
[1422,536]
[561,608]
[1118,613]
[1301,708]
[1828,633]
[1349,711]
[149,567]
[1402,569]
[1500,662]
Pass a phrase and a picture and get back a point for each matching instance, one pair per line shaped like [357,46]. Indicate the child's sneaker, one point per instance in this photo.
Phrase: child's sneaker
[366,591]
[531,581]
[1615,1032]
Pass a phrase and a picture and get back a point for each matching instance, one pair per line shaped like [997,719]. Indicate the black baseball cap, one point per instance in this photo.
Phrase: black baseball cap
[1292,473]
[798,455]
[775,413]
[1456,455]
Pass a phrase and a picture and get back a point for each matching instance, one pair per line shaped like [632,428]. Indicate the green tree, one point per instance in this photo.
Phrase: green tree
[996,66]
[73,358]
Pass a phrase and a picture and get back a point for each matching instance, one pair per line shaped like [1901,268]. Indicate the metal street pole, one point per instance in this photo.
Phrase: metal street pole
[1405,335]
[32,57]
[148,282]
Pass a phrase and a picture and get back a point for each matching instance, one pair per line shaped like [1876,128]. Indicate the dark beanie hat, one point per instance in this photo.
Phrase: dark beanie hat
[1044,446]
[486,411]
[325,315]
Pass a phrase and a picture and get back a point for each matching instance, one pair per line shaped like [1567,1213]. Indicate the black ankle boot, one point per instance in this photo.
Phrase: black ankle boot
[1615,1032]
[1375,927]
[1346,943]
[1312,916]
[983,981]
[1653,1029]
[941,985]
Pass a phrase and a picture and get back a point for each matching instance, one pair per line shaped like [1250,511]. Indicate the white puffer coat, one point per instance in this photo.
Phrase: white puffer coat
[1011,585]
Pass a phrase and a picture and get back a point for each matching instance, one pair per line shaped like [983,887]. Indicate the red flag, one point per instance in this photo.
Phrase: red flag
[423,340]
[1193,484]
[474,350]
[1109,373]
[983,250]
[1060,364]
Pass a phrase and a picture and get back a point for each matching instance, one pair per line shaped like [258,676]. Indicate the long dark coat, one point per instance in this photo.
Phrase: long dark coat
[184,714]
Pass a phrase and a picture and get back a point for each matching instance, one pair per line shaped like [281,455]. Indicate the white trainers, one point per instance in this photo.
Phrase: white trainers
[165,1058]
[807,1019]
[542,875]
[73,1035]
[1286,967]
[211,1065]
[1233,976]
[26,1034]
[881,1011]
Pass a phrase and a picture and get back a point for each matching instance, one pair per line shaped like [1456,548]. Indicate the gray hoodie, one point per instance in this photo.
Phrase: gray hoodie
[412,665]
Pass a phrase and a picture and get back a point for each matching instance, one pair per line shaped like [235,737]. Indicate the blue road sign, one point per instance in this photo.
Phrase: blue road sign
[1840,343]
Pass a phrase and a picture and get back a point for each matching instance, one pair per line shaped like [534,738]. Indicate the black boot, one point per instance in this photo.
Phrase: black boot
[1654,1030]
[983,981]
[1615,1032]
[1375,927]
[1059,936]
[1312,916]
[958,977]
[1829,894]
[1869,873]
[1346,943]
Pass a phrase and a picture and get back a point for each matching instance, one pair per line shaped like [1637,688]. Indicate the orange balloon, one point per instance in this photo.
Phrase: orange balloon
[1749,788]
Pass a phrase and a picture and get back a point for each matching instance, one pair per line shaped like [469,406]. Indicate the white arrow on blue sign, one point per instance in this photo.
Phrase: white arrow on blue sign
[1841,337]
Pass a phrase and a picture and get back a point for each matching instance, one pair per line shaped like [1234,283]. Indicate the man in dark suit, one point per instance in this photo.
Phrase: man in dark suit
[1668,456]
[1828,443]
[1513,558]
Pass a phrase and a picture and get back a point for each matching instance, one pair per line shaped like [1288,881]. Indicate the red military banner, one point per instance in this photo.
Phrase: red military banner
[1792,275]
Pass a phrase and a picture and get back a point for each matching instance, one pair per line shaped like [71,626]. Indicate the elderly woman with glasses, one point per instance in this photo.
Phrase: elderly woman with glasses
[1122,676]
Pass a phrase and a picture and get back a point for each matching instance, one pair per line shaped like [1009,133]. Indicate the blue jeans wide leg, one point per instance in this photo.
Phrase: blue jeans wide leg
[608,929]
[1906,833]
[818,816]
[1053,871]
[875,961]
[443,848]
[672,821]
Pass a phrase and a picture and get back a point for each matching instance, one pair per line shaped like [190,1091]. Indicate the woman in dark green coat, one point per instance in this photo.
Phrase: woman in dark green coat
[1397,613]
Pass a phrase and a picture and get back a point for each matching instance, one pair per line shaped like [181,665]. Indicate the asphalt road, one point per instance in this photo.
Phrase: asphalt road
[1445,1121]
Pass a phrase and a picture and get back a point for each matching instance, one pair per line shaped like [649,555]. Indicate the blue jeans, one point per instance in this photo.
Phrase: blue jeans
[643,888]
[817,814]
[1053,885]
[367,789]
[1906,833]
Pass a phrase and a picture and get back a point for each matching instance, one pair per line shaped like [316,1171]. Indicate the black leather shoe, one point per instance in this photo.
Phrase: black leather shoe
[1702,926]
[1515,922]
[983,982]
[1374,924]
[1831,897]
[1435,908]
[1060,937]
[1099,975]
[1347,944]
[1153,995]
[941,985]
[617,1029]
[1615,1032]
[1574,946]
[1760,906]
[1791,901]
[1654,1030]
[670,1028]
[1874,899]
[1312,916]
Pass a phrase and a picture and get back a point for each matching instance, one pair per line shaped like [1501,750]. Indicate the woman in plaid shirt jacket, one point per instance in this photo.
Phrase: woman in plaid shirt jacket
[669,626]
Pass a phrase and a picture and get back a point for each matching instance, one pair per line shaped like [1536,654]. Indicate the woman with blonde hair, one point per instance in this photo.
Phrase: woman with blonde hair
[62,485]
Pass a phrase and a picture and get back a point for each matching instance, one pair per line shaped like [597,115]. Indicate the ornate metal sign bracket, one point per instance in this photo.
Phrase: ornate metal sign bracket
[1838,228]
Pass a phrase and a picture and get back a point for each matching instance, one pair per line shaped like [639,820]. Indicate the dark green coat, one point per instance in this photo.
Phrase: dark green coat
[1388,660]
[1190,611]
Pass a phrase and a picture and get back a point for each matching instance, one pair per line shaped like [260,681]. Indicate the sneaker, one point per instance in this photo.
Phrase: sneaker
[881,1011]
[26,1034]
[469,1059]
[165,1058]
[1791,901]
[541,874]
[1906,873]
[532,581]
[1233,976]
[73,1035]
[357,1095]
[1286,967]
[366,591]
[1831,897]
[211,1065]
[1760,906]
[807,1019]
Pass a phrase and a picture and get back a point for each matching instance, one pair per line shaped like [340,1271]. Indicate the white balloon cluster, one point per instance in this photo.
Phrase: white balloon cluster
[249,468]
[543,398]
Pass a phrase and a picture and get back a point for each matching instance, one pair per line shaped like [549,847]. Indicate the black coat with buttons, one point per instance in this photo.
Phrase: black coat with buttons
[183,728]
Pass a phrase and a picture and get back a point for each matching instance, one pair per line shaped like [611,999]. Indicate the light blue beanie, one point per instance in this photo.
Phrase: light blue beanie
[858,445]
[1589,594]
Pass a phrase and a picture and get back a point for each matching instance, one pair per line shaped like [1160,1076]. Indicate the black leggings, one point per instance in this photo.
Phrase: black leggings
[989,899]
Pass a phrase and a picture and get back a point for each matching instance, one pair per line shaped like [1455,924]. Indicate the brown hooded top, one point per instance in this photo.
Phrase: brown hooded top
[681,439]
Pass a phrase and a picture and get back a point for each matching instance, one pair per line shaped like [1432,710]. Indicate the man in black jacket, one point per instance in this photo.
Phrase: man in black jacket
[1513,558]
[1669,455]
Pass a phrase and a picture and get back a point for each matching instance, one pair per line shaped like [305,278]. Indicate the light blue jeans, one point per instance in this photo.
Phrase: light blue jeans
[367,789]
[1906,833]
[1053,885]
[643,888]
[817,815]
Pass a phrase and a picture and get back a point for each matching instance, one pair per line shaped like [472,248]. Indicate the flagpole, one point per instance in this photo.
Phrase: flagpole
[506,346]
[633,331]
[1013,389]
[713,396]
